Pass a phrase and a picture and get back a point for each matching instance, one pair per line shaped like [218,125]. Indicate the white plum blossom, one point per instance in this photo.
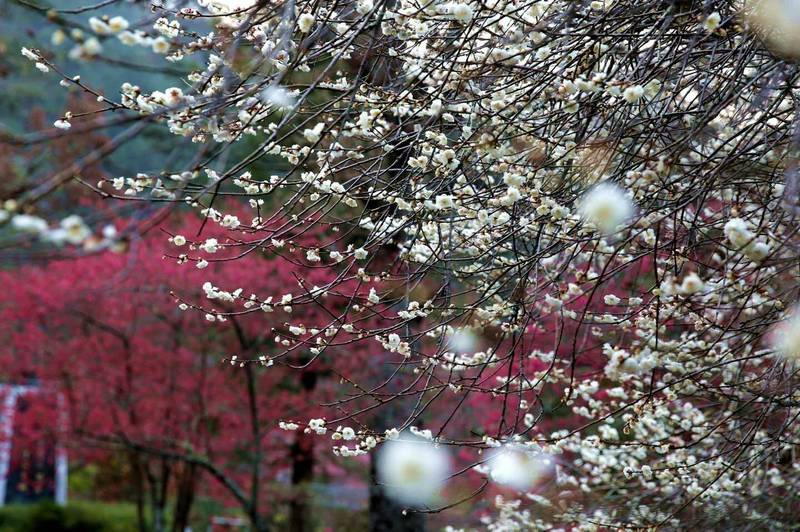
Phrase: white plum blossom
[757,251]
[99,26]
[89,48]
[314,134]
[444,201]
[317,425]
[461,12]
[692,284]
[312,255]
[364,6]
[738,233]
[72,230]
[633,94]
[29,54]
[305,22]
[373,297]
[29,223]
[711,23]
[160,45]
[118,24]
[211,245]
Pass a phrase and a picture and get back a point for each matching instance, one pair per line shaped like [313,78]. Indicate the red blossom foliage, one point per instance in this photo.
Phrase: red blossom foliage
[142,376]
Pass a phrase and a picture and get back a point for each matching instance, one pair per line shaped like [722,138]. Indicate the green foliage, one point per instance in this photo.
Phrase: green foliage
[82,481]
[75,517]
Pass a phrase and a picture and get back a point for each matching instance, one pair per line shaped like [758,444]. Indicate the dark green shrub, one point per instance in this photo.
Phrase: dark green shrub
[75,517]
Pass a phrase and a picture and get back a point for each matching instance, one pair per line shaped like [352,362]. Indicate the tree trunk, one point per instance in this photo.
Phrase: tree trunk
[258,522]
[158,494]
[139,487]
[302,453]
[387,516]
[184,498]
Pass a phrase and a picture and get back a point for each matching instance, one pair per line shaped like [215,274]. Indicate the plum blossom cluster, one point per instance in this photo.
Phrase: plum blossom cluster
[71,230]
[566,229]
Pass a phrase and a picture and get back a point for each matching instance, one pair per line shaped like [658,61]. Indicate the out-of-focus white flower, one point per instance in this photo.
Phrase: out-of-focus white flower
[110,232]
[305,22]
[129,38]
[737,233]
[757,251]
[412,470]
[692,284]
[29,223]
[364,6]
[231,5]
[712,21]
[277,96]
[160,45]
[444,201]
[517,467]
[633,94]
[785,337]
[778,21]
[392,434]
[313,135]
[652,88]
[118,24]
[463,341]
[742,238]
[606,206]
[62,124]
[75,229]
[91,47]
[99,26]
[72,230]
[461,12]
